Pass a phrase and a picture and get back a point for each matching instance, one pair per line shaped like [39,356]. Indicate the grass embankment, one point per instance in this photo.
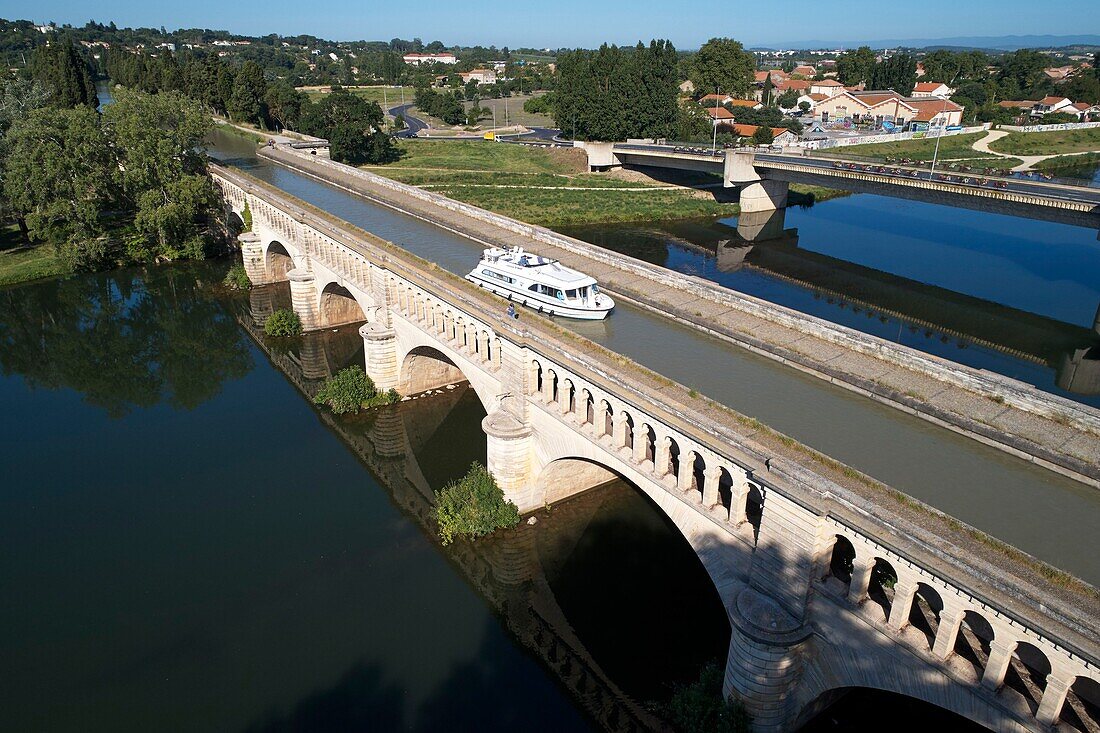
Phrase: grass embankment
[952,147]
[1048,143]
[510,111]
[550,186]
[21,261]
[1067,164]
[383,95]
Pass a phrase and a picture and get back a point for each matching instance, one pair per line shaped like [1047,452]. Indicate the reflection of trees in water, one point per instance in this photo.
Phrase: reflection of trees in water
[128,339]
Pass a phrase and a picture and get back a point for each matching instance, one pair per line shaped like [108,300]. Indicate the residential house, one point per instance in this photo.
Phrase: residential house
[827,87]
[1085,111]
[1048,105]
[687,87]
[415,59]
[481,76]
[804,70]
[932,89]
[710,100]
[780,135]
[920,69]
[1064,73]
[719,115]
[799,85]
[888,106]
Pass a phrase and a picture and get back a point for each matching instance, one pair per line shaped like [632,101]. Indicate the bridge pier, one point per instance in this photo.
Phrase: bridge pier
[303,297]
[252,253]
[508,458]
[763,195]
[380,350]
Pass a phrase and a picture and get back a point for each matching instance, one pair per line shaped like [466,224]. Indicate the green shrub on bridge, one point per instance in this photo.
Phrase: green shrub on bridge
[351,390]
[237,278]
[283,323]
[699,707]
[246,217]
[473,507]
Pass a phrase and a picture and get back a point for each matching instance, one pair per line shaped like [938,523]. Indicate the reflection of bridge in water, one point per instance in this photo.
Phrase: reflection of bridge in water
[506,569]
[760,241]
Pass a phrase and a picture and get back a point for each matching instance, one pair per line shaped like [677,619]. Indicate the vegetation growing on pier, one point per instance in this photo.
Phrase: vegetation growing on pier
[473,507]
[351,390]
[283,323]
[699,707]
[236,278]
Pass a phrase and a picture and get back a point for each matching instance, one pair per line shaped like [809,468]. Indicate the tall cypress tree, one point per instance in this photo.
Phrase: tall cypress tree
[62,69]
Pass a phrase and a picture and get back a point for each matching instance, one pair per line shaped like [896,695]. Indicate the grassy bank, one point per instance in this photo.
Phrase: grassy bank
[952,147]
[1048,143]
[383,95]
[1064,162]
[551,186]
[21,261]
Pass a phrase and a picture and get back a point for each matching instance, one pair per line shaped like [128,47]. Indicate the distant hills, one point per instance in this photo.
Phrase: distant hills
[1002,43]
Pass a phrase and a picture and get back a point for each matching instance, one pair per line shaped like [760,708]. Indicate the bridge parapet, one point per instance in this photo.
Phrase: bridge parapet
[788,536]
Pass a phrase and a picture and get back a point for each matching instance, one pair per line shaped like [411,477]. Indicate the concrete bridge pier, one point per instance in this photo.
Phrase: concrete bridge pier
[508,458]
[252,253]
[380,349]
[763,195]
[303,297]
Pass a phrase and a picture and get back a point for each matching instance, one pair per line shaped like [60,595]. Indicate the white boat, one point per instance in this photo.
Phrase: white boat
[540,283]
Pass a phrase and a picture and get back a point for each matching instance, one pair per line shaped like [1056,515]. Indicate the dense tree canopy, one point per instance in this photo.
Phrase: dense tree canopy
[66,73]
[855,66]
[353,127]
[618,93]
[722,64]
[898,72]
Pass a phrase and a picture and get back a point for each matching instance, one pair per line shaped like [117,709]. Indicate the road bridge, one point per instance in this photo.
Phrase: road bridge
[830,579]
[764,177]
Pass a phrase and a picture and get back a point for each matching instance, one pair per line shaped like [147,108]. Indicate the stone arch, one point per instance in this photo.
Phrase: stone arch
[628,430]
[234,222]
[1081,709]
[277,260]
[425,367]
[337,306]
[936,696]
[924,613]
[588,407]
[725,489]
[974,640]
[880,590]
[1027,673]
[754,506]
[606,416]
[700,532]
[842,561]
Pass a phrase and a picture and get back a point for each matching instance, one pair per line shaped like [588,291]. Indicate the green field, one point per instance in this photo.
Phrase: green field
[1062,162]
[482,155]
[539,185]
[952,147]
[515,113]
[1049,143]
[380,94]
[20,262]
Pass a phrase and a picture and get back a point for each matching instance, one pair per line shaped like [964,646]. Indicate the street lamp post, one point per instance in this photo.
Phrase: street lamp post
[943,128]
[714,138]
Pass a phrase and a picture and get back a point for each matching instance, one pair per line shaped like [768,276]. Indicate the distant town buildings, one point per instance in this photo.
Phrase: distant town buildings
[880,106]
[429,58]
[481,76]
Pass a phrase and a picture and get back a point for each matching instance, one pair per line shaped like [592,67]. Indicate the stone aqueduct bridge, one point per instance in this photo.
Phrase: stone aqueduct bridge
[764,179]
[803,553]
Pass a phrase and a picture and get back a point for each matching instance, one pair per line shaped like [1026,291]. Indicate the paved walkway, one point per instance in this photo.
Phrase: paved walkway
[1029,161]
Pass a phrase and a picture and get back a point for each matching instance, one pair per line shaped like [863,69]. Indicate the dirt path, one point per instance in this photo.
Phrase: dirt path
[1029,161]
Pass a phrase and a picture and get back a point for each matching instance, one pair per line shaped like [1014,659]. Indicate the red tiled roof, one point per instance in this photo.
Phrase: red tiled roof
[719,113]
[796,84]
[1051,101]
[1016,103]
[927,86]
[827,83]
[749,130]
[819,97]
[743,103]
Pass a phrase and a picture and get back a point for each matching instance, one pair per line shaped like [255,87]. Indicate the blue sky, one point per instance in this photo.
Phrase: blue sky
[561,23]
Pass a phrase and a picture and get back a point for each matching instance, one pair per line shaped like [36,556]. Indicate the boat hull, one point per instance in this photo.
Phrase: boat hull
[552,309]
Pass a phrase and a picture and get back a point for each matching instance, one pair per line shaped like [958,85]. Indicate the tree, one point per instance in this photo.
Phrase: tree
[1022,69]
[897,72]
[284,104]
[60,68]
[853,67]
[158,138]
[353,127]
[60,174]
[473,507]
[700,707]
[249,90]
[722,63]
[805,106]
[616,93]
[788,99]
[763,136]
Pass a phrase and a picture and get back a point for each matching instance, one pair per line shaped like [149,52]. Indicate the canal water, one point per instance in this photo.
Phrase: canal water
[985,487]
[186,543]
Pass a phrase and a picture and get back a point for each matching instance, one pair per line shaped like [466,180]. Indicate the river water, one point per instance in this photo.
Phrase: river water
[977,484]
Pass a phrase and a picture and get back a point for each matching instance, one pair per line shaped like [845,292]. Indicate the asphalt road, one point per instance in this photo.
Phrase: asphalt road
[413,124]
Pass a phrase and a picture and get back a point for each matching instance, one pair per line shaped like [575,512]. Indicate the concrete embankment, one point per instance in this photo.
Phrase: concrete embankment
[1050,431]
